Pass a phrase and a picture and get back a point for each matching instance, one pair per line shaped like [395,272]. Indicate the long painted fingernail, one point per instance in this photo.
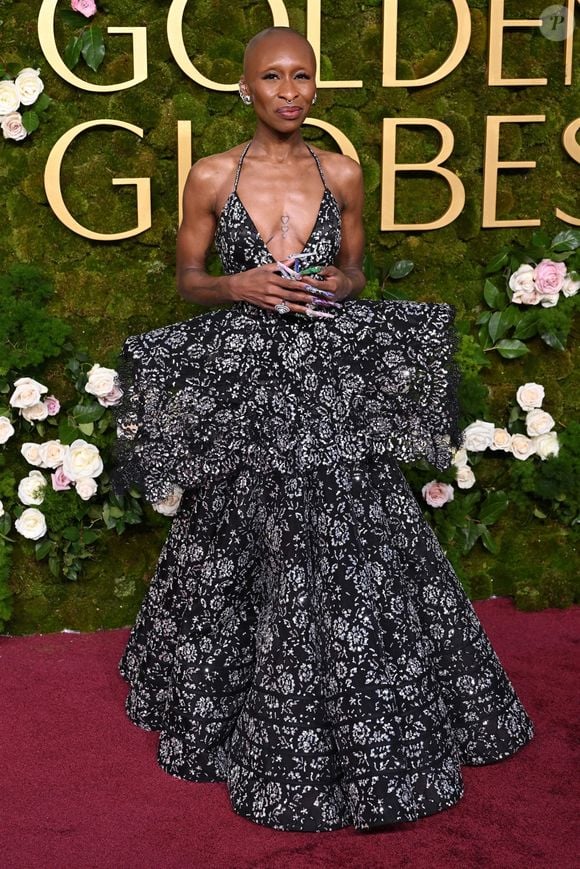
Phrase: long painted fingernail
[321,314]
[326,302]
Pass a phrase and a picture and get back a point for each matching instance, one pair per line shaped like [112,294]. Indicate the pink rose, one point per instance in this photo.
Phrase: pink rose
[112,397]
[549,277]
[437,494]
[86,7]
[52,405]
[12,127]
[60,481]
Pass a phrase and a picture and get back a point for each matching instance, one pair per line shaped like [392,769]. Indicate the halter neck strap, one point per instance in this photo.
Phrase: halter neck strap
[245,151]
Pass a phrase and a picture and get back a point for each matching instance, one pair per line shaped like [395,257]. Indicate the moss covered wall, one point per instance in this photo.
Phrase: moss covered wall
[109,290]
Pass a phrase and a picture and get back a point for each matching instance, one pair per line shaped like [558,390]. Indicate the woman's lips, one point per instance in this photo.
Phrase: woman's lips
[290,112]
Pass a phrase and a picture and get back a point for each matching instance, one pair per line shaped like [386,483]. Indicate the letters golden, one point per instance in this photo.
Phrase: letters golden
[499,27]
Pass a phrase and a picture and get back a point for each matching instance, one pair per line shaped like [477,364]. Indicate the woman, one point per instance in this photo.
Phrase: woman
[304,637]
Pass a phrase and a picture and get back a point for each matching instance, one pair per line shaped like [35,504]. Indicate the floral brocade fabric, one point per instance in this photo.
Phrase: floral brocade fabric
[304,637]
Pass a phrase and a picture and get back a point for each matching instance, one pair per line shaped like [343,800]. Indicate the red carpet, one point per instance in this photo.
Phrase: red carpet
[81,786]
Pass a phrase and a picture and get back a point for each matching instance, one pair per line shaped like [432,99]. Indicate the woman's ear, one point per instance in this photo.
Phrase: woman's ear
[244,94]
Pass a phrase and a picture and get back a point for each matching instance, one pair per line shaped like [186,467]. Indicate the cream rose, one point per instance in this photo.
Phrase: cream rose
[522,446]
[111,398]
[31,488]
[82,459]
[101,380]
[459,458]
[170,505]
[86,487]
[478,435]
[29,85]
[523,286]
[570,287]
[538,422]
[501,440]
[9,97]
[32,454]
[547,445]
[52,453]
[35,412]
[12,127]
[27,392]
[530,395]
[31,524]
[6,429]
[465,478]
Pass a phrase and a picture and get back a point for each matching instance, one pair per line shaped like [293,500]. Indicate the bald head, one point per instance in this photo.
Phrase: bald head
[283,37]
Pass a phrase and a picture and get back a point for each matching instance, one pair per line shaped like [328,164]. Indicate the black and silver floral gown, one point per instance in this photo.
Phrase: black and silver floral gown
[304,637]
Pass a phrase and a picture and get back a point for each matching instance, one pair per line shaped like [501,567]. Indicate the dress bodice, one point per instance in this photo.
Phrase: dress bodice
[240,246]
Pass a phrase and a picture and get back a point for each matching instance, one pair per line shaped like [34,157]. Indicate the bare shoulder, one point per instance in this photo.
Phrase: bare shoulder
[208,174]
[343,174]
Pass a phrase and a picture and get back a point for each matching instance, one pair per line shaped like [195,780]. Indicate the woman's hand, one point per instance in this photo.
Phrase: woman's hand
[261,286]
[335,280]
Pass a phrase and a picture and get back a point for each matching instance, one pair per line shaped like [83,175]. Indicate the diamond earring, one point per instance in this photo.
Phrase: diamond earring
[245,98]
[314,98]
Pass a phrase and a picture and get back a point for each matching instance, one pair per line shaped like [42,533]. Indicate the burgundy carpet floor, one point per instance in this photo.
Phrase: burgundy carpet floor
[80,786]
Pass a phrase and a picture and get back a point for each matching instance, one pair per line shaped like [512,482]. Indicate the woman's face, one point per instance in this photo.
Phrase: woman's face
[280,75]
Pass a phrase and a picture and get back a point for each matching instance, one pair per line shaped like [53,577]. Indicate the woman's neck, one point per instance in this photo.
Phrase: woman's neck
[276,147]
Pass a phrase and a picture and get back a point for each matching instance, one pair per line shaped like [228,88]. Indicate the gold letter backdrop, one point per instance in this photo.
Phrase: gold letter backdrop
[463,115]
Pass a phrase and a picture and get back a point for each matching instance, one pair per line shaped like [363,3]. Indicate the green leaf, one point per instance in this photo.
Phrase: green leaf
[472,532]
[496,326]
[569,239]
[42,103]
[539,514]
[494,297]
[489,542]
[72,51]
[494,505]
[540,238]
[496,263]
[71,533]
[401,269]
[87,412]
[54,565]
[510,348]
[483,318]
[93,48]
[87,428]
[42,548]
[90,536]
[72,19]
[527,325]
[553,339]
[31,121]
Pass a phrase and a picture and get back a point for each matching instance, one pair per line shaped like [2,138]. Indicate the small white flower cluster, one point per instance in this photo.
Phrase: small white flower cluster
[78,464]
[542,284]
[27,399]
[24,90]
[540,440]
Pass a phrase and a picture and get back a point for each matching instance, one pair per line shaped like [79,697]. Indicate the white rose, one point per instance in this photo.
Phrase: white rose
[522,447]
[52,453]
[501,440]
[6,429]
[86,487]
[547,444]
[538,422]
[478,435]
[170,505]
[36,411]
[12,127]
[522,280]
[570,286]
[1,508]
[459,458]
[530,395]
[29,85]
[82,459]
[101,380]
[32,454]
[465,478]
[27,392]
[549,301]
[31,524]
[31,488]
[9,97]
[111,398]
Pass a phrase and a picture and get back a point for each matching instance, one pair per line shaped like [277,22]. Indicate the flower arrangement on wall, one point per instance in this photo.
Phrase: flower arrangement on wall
[22,101]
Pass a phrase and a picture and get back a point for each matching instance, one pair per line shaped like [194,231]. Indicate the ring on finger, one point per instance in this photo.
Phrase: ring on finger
[282,307]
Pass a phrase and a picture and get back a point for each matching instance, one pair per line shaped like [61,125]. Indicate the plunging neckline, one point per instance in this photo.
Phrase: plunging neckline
[257,231]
